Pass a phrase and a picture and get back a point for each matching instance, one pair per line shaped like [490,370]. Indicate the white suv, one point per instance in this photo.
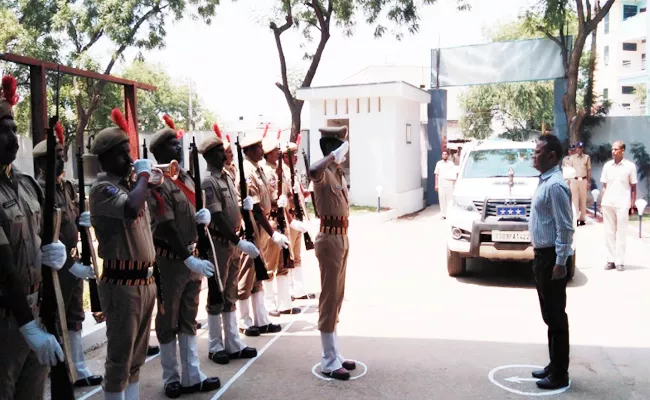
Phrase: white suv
[490,207]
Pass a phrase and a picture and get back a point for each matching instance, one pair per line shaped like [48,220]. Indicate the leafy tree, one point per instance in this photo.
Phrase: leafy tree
[321,16]
[642,160]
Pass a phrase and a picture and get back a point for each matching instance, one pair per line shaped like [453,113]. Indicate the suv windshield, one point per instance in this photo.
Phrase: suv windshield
[495,163]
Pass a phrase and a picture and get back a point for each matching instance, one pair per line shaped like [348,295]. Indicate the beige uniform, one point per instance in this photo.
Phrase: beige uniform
[22,376]
[580,184]
[294,235]
[273,253]
[127,289]
[331,244]
[446,172]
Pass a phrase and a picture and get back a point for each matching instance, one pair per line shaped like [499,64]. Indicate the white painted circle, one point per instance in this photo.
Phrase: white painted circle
[325,378]
[511,390]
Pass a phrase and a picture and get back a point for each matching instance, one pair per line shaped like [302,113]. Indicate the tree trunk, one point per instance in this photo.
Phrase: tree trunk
[589,93]
[296,111]
[574,118]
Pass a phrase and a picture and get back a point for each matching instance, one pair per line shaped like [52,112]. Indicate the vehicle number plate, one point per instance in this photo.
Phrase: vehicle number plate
[511,211]
[511,236]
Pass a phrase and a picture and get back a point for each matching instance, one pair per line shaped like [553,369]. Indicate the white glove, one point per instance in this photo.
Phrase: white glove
[248,248]
[54,255]
[298,225]
[203,217]
[142,166]
[297,188]
[248,203]
[203,267]
[83,271]
[283,201]
[45,346]
[339,154]
[84,219]
[280,240]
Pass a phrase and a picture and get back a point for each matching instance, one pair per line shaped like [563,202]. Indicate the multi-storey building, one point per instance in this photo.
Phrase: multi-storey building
[621,74]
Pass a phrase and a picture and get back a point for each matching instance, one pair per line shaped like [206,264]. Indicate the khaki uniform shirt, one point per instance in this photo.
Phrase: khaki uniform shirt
[221,196]
[232,171]
[332,193]
[119,238]
[287,189]
[582,165]
[175,206]
[20,218]
[65,198]
[566,161]
[272,177]
[258,185]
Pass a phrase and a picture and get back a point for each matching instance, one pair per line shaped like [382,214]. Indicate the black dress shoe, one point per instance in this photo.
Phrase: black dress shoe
[207,385]
[294,310]
[173,390]
[153,350]
[610,266]
[542,373]
[349,365]
[220,357]
[270,328]
[246,352]
[341,374]
[553,382]
[252,331]
[92,380]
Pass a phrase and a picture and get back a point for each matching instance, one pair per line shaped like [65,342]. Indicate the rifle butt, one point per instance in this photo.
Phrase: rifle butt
[159,290]
[309,244]
[95,305]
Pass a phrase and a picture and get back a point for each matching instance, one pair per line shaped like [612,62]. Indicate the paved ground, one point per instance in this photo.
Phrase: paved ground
[424,335]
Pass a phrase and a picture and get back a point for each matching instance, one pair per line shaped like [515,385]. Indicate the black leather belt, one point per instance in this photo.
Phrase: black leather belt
[127,273]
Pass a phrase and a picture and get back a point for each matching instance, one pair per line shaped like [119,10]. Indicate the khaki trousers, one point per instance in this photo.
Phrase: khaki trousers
[22,376]
[248,283]
[445,191]
[128,312]
[228,258]
[272,254]
[72,289]
[332,254]
[296,245]
[181,288]
[579,196]
[616,222]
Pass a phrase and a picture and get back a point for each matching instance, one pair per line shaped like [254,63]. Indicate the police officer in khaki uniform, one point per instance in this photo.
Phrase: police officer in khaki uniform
[230,167]
[73,274]
[222,202]
[332,245]
[26,349]
[249,286]
[120,216]
[181,273]
[580,184]
[297,228]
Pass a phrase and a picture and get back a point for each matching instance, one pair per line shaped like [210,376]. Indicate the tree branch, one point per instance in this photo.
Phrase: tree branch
[277,31]
[581,12]
[324,20]
[591,25]
[93,40]
[589,10]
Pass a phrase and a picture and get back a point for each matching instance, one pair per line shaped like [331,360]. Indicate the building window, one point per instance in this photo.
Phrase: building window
[643,61]
[325,107]
[627,89]
[408,133]
[626,106]
[629,46]
[358,106]
[368,105]
[379,104]
[346,106]
[606,55]
[629,11]
[606,23]
[605,94]
[627,63]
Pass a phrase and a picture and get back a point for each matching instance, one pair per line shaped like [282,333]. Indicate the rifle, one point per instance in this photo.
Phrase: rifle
[287,254]
[63,374]
[205,243]
[313,197]
[297,203]
[87,250]
[250,228]
[156,270]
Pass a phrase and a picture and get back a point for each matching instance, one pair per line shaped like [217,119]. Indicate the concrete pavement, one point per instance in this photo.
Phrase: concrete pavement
[424,335]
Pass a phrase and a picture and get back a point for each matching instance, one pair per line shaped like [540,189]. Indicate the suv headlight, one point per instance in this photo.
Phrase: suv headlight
[464,203]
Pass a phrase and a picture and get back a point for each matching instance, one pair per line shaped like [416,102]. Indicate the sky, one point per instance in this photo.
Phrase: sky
[233,63]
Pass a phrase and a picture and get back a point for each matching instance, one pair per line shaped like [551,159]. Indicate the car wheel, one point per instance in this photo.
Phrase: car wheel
[456,264]
[571,267]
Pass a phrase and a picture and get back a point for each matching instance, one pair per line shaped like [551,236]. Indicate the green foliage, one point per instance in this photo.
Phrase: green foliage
[601,153]
[642,161]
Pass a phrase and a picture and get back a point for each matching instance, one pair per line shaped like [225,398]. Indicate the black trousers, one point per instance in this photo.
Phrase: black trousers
[552,301]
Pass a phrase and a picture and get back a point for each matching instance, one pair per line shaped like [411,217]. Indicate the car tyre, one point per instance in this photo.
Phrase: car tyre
[456,264]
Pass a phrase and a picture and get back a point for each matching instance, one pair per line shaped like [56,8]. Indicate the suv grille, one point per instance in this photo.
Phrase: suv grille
[493,203]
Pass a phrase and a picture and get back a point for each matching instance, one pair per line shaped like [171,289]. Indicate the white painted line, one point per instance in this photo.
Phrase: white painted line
[325,378]
[250,362]
[521,380]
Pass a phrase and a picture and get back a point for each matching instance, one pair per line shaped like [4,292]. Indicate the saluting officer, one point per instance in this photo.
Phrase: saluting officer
[120,216]
[73,273]
[331,244]
[26,349]
[222,202]
[175,236]
[249,286]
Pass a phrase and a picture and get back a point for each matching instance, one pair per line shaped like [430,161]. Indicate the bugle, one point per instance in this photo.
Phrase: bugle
[160,171]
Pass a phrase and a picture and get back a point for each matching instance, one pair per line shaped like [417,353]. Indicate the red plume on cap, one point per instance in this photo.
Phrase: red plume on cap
[266,129]
[9,85]
[180,134]
[228,138]
[59,132]
[169,121]
[118,119]
[279,133]
[216,129]
[298,140]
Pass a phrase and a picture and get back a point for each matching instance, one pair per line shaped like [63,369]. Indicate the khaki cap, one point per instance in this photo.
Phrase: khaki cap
[251,139]
[290,147]
[208,143]
[160,137]
[40,149]
[338,132]
[108,138]
[269,144]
